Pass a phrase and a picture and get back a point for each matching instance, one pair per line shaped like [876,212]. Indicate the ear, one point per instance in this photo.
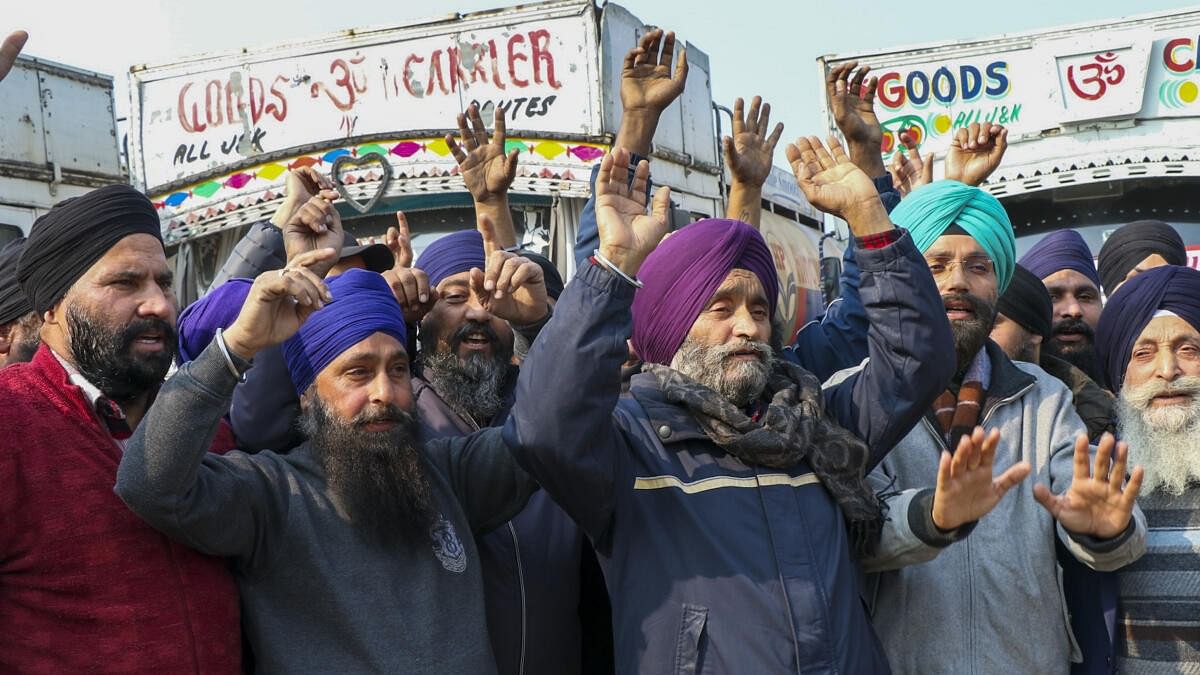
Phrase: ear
[306,398]
[1035,339]
[6,331]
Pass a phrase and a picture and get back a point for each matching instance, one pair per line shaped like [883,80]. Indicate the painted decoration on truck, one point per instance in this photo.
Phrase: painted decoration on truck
[214,203]
[537,72]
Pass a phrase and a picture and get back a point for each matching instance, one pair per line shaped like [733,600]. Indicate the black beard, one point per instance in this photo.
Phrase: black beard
[379,477]
[970,335]
[473,386]
[1081,354]
[104,354]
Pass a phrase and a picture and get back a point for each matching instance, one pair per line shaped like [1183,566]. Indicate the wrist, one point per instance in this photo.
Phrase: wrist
[867,217]
[491,200]
[868,157]
[237,343]
[284,212]
[627,262]
[636,132]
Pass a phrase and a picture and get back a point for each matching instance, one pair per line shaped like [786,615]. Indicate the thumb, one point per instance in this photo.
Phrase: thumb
[660,208]
[1048,501]
[477,279]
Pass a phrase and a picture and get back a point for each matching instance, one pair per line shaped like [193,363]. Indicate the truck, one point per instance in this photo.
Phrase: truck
[211,138]
[59,140]
[1103,119]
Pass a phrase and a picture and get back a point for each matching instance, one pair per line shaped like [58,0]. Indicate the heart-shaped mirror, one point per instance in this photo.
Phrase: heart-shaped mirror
[346,162]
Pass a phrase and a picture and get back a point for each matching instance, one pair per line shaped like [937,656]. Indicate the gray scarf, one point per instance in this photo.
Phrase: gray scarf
[793,427]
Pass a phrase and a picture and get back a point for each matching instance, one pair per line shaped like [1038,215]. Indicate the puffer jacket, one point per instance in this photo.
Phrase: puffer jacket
[714,566]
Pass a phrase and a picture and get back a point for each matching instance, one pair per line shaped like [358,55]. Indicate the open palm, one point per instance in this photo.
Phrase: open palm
[829,180]
[647,80]
[1099,503]
[627,233]
[487,170]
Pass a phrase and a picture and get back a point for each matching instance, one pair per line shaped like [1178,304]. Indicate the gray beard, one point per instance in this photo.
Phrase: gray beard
[379,478]
[740,383]
[1162,440]
[473,387]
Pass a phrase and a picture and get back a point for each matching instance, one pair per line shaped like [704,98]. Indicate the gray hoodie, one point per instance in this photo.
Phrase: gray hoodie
[992,602]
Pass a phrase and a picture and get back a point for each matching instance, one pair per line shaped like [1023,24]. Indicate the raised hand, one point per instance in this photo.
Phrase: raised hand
[512,288]
[279,302]
[834,184]
[910,170]
[648,86]
[852,103]
[627,234]
[748,152]
[409,284]
[975,152]
[966,490]
[315,225]
[10,49]
[647,80]
[1099,502]
[486,169]
[302,185]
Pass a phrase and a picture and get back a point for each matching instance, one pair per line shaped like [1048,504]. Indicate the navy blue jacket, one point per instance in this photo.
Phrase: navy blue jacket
[531,567]
[714,566]
[825,345]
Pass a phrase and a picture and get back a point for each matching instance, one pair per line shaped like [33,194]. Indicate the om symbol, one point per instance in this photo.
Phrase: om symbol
[1096,77]
[348,82]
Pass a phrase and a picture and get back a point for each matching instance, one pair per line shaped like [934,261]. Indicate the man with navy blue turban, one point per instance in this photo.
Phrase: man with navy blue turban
[1063,261]
[1007,569]
[1148,342]
[355,551]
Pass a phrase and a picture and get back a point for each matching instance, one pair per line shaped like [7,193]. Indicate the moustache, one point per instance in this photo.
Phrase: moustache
[473,328]
[1075,326]
[759,349]
[1141,395]
[152,325]
[382,413]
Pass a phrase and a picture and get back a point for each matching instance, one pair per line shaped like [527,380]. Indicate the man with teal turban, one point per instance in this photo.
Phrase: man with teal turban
[1000,589]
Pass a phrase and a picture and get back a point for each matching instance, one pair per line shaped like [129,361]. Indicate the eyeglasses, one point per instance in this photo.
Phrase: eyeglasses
[972,266]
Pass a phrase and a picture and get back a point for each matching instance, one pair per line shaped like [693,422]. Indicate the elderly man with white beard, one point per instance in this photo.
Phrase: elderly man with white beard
[1148,340]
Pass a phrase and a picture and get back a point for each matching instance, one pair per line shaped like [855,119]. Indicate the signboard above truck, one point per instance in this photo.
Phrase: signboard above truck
[1038,84]
[193,119]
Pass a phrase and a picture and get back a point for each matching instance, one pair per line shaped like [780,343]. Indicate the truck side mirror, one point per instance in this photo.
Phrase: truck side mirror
[831,271]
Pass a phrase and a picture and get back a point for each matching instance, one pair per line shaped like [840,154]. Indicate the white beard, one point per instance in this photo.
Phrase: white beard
[1165,441]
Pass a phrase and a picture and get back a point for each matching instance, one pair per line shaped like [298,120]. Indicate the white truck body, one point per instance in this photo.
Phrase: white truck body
[212,137]
[1104,118]
[60,139]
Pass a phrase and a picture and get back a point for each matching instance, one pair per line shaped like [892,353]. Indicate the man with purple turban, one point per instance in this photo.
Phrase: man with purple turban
[726,495]
[1064,263]
[1001,586]
[1148,341]
[354,552]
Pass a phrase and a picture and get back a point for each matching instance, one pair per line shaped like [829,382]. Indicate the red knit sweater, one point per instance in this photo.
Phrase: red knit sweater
[85,586]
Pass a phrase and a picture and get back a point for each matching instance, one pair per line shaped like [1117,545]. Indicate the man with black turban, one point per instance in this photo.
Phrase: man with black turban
[1149,345]
[84,583]
[19,324]
[1023,324]
[1134,248]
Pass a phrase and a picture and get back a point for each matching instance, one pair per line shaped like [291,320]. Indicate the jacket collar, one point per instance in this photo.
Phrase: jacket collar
[1007,379]
[672,423]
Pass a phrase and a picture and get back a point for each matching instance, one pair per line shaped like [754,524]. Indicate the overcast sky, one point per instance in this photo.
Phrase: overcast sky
[771,52]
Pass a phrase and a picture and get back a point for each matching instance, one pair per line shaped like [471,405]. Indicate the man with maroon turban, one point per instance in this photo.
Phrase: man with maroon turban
[726,496]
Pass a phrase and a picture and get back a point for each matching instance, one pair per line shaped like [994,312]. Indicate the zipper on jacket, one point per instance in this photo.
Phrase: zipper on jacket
[941,441]
[521,579]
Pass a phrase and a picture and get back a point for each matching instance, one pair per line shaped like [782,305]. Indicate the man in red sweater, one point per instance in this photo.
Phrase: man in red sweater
[85,585]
